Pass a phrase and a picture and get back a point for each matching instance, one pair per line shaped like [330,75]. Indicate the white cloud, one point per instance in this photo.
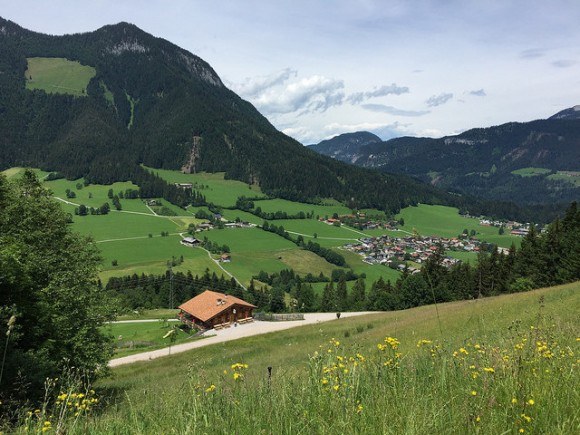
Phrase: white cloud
[478,93]
[438,100]
[254,86]
[392,89]
[563,63]
[532,53]
[279,94]
[381,108]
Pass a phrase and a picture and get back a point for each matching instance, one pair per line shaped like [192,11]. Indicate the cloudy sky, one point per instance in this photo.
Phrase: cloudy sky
[318,68]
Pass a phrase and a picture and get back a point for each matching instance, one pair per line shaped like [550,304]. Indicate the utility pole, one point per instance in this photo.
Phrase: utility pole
[171,305]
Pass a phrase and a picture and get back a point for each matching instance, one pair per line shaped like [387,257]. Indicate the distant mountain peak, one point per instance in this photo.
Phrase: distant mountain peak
[570,113]
[346,146]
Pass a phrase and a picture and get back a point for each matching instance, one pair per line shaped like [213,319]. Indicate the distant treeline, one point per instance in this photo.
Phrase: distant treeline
[328,254]
[157,291]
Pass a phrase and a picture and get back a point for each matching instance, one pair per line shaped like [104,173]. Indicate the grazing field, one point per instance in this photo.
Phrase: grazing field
[95,195]
[56,75]
[572,177]
[124,225]
[159,313]
[446,222]
[252,250]
[133,338]
[291,207]
[327,235]
[531,172]
[216,188]
[486,361]
[150,255]
[18,171]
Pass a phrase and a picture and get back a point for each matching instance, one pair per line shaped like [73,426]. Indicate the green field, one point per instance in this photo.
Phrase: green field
[133,338]
[18,171]
[159,313]
[327,235]
[219,191]
[56,75]
[531,172]
[446,222]
[95,195]
[292,208]
[408,400]
[150,255]
[124,225]
[252,250]
[572,177]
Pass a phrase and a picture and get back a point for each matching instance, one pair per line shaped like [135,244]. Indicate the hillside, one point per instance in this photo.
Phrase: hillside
[484,162]
[150,102]
[347,146]
[494,333]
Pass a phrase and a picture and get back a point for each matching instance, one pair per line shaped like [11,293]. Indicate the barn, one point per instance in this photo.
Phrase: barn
[211,309]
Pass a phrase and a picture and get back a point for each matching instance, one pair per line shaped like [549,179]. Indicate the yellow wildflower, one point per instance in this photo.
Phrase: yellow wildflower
[489,369]
[210,388]
[473,393]
[531,402]
[514,401]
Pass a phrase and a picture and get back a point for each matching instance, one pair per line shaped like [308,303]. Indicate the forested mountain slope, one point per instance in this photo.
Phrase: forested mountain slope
[528,163]
[154,103]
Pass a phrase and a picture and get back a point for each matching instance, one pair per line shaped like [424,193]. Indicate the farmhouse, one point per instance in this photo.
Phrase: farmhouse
[190,241]
[185,186]
[215,310]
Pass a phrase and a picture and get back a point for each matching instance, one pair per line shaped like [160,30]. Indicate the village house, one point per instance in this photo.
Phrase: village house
[215,310]
[225,258]
[190,241]
[185,186]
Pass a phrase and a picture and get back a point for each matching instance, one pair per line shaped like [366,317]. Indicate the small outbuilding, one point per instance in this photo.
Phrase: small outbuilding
[212,309]
[190,241]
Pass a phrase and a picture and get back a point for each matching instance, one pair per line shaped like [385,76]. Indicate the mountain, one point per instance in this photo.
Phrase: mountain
[148,101]
[571,113]
[346,146]
[528,163]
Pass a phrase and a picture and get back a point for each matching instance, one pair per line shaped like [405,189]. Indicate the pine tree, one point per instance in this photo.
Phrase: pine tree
[341,294]
[357,295]
[328,302]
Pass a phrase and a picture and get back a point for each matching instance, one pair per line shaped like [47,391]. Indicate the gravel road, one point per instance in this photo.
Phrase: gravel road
[231,333]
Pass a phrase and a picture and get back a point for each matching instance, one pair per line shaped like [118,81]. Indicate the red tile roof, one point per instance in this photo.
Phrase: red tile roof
[210,303]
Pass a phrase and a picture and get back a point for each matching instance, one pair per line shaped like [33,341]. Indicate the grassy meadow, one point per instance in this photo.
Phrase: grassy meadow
[572,177]
[531,172]
[131,338]
[132,236]
[446,222]
[505,364]
[58,76]
[218,190]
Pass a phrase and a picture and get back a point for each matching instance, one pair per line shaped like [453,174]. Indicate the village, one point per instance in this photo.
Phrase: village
[395,252]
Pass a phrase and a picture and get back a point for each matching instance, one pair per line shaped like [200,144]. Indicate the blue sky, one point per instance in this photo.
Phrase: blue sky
[319,68]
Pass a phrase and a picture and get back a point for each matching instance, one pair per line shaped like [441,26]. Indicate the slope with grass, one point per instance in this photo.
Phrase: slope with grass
[58,76]
[447,222]
[494,365]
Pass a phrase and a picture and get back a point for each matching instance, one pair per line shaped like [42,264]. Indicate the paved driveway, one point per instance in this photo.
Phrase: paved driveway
[231,333]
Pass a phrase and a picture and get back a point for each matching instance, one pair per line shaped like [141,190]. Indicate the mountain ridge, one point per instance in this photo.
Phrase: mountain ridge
[167,109]
[482,161]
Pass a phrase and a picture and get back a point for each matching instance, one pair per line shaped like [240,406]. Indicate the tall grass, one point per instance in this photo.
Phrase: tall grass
[514,374]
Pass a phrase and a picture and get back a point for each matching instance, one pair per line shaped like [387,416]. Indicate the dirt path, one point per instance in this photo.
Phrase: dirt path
[232,333]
